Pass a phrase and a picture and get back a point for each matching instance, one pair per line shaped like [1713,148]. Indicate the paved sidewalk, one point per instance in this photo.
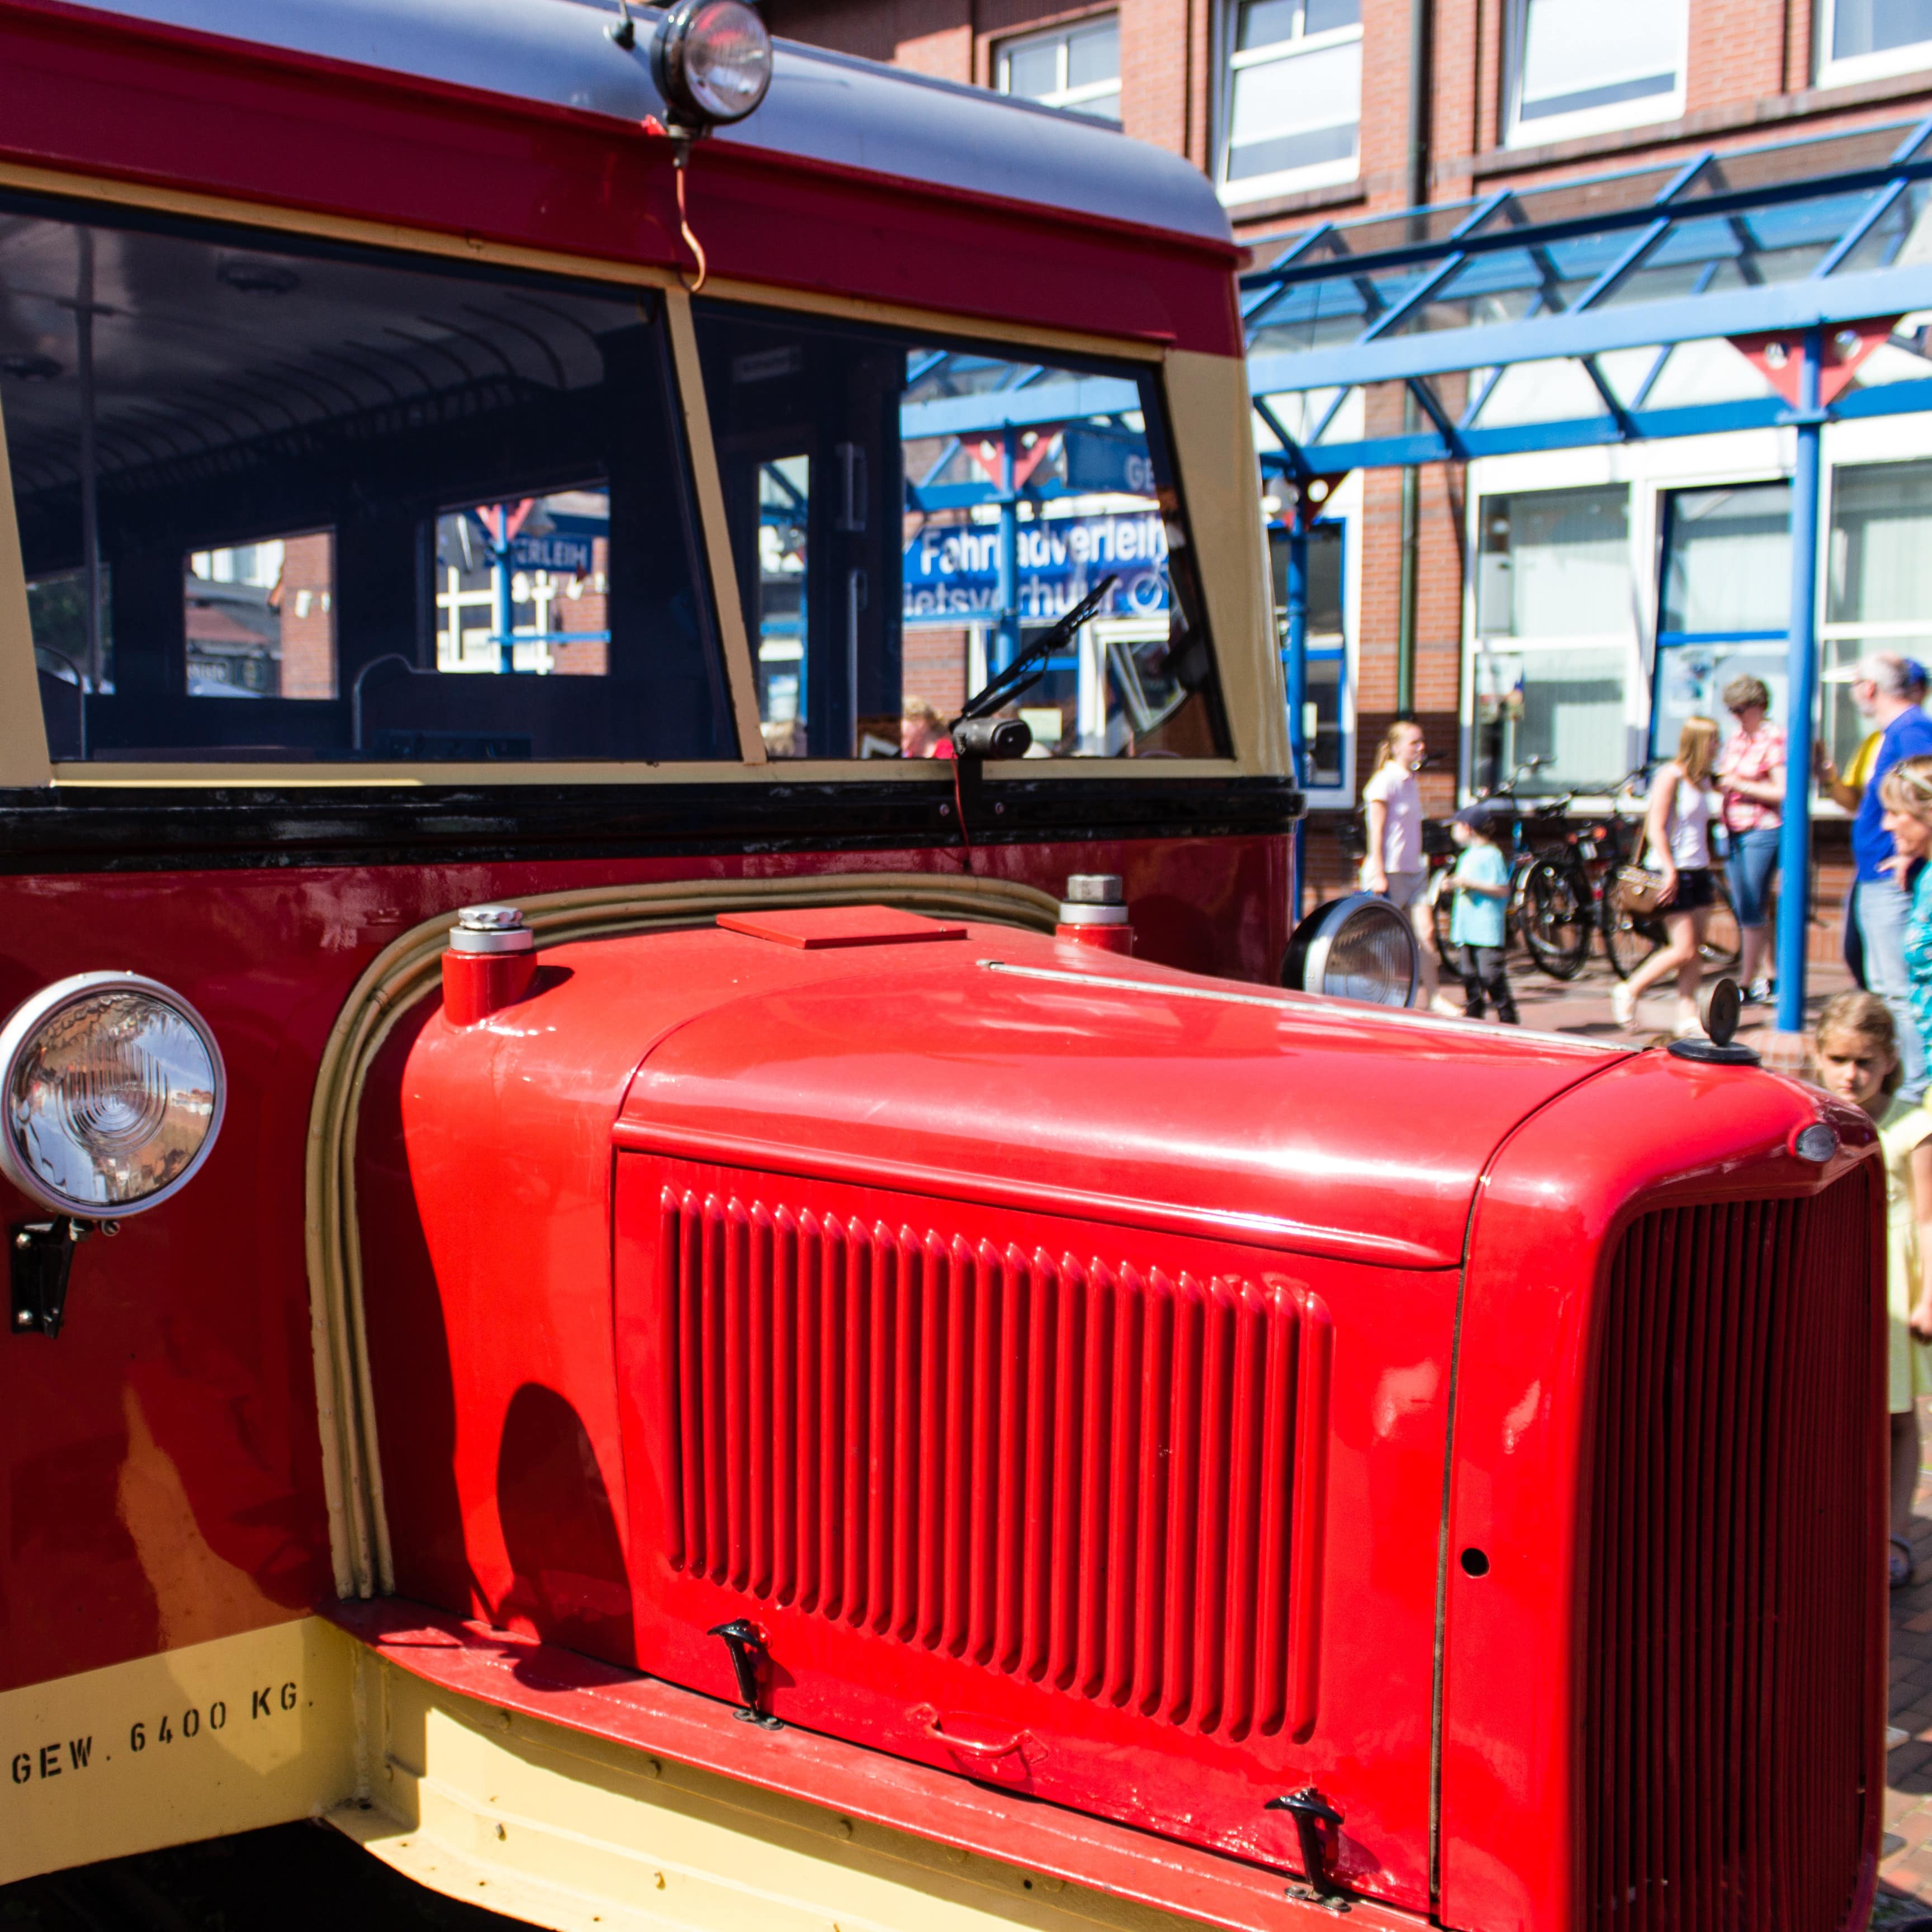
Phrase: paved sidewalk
[1582,1005]
[1905,1867]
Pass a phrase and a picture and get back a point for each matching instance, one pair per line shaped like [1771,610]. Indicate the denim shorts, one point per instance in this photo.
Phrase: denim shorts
[1753,865]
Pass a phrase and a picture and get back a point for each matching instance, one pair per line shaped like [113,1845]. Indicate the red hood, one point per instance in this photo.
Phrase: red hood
[1002,1064]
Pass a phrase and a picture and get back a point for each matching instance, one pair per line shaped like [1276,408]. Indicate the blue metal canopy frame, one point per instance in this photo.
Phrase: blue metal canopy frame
[1798,240]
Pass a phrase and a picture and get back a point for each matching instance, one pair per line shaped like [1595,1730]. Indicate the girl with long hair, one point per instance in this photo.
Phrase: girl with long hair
[1393,866]
[1677,830]
[1855,1055]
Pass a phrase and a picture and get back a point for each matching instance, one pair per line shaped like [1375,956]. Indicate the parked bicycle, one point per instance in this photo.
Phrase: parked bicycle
[1570,892]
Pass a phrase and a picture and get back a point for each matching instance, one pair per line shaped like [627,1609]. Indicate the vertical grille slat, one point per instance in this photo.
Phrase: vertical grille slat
[1725,1592]
[1096,1477]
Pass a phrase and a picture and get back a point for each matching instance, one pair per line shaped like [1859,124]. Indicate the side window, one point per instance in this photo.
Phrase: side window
[324,506]
[908,515]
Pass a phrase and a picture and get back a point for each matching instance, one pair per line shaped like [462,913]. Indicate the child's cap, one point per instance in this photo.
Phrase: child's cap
[1479,817]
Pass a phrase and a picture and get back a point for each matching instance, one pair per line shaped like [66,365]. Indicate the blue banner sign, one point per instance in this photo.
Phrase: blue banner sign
[952,572]
[564,548]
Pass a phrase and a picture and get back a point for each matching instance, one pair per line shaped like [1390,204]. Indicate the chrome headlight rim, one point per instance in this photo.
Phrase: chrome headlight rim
[683,92]
[1305,964]
[21,1026]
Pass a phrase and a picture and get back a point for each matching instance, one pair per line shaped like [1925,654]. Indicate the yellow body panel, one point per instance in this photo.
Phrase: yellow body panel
[568,1831]
[216,1738]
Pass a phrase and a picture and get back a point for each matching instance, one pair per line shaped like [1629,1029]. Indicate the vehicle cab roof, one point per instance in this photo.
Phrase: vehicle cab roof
[824,107]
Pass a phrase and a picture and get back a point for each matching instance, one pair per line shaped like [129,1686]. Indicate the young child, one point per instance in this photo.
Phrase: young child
[1481,881]
[1856,1054]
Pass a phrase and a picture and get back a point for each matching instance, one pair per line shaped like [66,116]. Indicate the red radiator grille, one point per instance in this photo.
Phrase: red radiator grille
[1099,1479]
[1730,1571]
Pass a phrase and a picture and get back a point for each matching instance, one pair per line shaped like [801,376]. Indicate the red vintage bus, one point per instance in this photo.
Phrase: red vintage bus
[674,1307]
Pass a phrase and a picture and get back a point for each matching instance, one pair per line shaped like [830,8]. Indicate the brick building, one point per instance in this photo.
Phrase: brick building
[1309,110]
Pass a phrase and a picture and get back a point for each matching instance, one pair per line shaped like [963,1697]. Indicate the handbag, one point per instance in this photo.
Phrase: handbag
[1637,887]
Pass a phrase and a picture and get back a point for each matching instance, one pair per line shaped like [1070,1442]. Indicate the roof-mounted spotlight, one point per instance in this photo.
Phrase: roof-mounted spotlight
[711,60]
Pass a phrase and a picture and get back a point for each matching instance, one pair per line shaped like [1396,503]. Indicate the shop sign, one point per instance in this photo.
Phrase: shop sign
[562,547]
[952,572]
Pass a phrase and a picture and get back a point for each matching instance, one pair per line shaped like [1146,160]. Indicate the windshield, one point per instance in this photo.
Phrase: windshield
[908,515]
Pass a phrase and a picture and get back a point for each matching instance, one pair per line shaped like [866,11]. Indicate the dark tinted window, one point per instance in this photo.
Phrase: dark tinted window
[340,507]
[907,514]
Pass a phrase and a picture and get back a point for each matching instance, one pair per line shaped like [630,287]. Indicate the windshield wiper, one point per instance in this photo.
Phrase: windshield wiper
[1026,669]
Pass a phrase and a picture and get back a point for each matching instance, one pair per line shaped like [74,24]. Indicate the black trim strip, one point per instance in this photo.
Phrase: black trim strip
[78,830]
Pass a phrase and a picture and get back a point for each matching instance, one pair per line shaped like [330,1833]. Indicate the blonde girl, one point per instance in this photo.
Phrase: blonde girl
[1855,1056]
[1393,865]
[1677,832]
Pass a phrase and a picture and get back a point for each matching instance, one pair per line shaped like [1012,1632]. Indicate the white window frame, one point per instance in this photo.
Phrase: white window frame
[1228,63]
[1079,99]
[1912,57]
[1644,112]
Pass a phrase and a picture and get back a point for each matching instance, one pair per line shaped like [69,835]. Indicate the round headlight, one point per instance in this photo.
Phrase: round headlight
[111,1095]
[711,60]
[1358,948]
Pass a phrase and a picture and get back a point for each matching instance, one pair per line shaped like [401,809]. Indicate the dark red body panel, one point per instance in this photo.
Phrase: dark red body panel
[151,103]
[159,1478]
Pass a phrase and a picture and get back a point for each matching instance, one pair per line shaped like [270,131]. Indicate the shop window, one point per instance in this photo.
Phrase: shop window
[1725,599]
[908,515]
[1878,582]
[1291,95]
[376,499]
[1077,67]
[1556,627]
[1325,723]
[1578,68]
[1864,40]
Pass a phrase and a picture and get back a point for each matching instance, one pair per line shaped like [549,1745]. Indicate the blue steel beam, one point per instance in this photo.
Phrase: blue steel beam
[1782,306]
[1020,408]
[1601,222]
[1794,853]
[1388,452]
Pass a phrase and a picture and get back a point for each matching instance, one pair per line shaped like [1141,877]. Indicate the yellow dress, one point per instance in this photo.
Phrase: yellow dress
[1903,1128]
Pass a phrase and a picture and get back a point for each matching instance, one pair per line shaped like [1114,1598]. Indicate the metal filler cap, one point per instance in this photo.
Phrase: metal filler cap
[491,929]
[1094,899]
[1719,1006]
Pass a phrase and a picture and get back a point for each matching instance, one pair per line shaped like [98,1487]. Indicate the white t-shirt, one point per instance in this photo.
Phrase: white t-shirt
[1401,835]
[1690,827]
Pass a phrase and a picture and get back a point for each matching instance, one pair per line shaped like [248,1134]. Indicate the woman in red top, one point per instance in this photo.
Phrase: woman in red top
[1750,773]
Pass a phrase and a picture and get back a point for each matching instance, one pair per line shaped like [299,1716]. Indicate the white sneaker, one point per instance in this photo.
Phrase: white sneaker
[1445,1006]
[1623,1005]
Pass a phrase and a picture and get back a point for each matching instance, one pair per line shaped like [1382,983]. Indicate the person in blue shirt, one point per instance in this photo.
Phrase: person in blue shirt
[1885,687]
[1481,883]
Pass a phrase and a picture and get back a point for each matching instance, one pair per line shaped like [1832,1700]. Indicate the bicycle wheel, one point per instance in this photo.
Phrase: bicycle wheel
[1629,938]
[1723,944]
[1553,920]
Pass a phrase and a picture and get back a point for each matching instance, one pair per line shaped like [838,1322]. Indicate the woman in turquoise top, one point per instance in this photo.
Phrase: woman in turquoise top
[1906,792]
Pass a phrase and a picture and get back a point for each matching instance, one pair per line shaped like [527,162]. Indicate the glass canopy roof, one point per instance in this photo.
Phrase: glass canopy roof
[1595,311]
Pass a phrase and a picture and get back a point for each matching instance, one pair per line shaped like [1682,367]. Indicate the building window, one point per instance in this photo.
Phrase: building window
[1554,631]
[1291,95]
[1878,593]
[1077,67]
[1577,67]
[1724,604]
[1863,39]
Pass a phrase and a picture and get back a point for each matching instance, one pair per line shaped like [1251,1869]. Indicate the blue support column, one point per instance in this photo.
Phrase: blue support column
[1794,903]
[1296,668]
[503,608]
[1006,639]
